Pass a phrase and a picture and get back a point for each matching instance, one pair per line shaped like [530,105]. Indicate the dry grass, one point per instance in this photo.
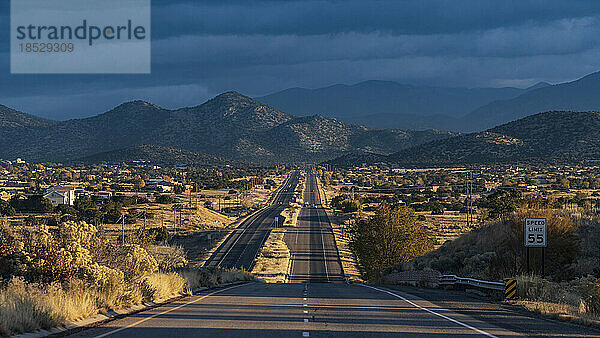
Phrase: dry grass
[577,300]
[26,307]
[160,286]
[273,259]
[211,277]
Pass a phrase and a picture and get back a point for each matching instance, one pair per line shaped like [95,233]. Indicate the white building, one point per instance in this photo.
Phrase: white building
[60,195]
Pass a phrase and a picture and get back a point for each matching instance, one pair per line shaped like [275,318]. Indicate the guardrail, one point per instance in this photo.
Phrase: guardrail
[483,284]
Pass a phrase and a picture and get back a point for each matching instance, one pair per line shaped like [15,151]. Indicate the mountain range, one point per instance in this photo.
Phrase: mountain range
[231,126]
[544,137]
[384,104]
[234,128]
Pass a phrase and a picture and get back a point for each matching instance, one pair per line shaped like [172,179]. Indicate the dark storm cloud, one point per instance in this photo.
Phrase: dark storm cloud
[330,17]
[202,48]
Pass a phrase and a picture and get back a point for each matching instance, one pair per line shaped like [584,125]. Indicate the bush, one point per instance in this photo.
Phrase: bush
[6,209]
[136,262]
[345,203]
[165,199]
[391,236]
[160,235]
[35,203]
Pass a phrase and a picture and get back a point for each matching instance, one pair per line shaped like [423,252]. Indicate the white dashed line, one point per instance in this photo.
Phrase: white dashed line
[305,311]
[305,305]
[306,320]
[305,334]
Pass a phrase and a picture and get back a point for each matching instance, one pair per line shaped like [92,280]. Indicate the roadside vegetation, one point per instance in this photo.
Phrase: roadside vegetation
[346,203]
[391,235]
[52,275]
[570,286]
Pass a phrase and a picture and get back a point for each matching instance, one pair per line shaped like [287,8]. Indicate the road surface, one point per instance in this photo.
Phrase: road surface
[326,310]
[312,245]
[240,248]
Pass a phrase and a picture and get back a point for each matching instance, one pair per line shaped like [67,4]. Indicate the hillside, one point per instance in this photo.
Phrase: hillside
[156,155]
[579,95]
[386,104]
[317,138]
[10,118]
[556,135]
[230,125]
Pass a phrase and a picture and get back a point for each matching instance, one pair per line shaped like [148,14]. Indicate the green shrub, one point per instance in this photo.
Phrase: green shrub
[391,236]
[345,203]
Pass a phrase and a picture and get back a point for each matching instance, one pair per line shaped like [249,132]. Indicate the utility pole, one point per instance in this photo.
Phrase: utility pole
[469,200]
[123,229]
[467,205]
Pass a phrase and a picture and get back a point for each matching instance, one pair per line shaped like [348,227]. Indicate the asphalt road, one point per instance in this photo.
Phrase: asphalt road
[241,246]
[323,310]
[312,245]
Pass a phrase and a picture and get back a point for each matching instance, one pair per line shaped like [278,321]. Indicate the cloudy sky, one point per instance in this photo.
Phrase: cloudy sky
[203,48]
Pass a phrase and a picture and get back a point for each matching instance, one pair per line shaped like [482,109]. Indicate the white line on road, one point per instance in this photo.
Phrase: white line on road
[305,311]
[323,243]
[306,320]
[166,311]
[430,311]
[305,334]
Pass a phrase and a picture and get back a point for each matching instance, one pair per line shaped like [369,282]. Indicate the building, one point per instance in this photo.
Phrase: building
[60,195]
[104,194]
[160,185]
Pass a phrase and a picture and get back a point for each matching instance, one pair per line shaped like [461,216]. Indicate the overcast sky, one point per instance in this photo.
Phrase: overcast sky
[203,48]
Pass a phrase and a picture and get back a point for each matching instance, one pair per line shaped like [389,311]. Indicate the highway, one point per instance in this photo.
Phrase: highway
[241,246]
[318,303]
[312,245]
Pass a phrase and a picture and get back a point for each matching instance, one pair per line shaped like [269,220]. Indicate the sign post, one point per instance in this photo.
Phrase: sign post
[535,237]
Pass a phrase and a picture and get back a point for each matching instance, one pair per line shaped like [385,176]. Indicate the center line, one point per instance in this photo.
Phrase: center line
[166,311]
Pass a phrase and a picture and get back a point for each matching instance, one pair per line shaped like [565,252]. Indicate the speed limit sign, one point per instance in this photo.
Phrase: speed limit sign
[535,232]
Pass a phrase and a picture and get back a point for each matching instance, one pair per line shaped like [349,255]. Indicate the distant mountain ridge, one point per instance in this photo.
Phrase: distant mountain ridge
[387,104]
[578,95]
[549,136]
[230,125]
[384,104]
